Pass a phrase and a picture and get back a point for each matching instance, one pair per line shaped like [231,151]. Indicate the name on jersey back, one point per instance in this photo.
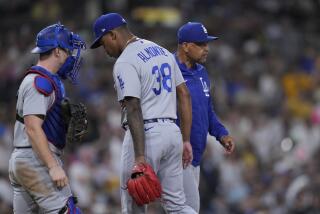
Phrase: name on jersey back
[150,52]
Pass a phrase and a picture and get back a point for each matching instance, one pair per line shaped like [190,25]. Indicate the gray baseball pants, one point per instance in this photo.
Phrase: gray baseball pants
[191,178]
[34,191]
[163,151]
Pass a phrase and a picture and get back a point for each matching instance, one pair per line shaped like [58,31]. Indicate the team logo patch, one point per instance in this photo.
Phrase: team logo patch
[204,29]
[121,83]
[205,87]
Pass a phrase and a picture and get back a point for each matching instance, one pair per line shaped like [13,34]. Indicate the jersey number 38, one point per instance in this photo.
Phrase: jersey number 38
[163,78]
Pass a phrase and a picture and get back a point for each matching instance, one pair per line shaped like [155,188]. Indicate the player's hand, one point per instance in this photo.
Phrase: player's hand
[139,159]
[187,154]
[58,176]
[228,144]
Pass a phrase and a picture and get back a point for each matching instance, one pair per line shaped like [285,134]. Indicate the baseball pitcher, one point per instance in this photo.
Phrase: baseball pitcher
[148,80]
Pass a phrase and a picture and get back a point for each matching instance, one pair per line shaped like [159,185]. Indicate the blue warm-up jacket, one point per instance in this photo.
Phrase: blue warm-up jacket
[204,119]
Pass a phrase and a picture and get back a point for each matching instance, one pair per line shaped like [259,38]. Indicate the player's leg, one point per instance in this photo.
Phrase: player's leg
[22,201]
[171,172]
[50,198]
[70,207]
[33,175]
[128,206]
[191,187]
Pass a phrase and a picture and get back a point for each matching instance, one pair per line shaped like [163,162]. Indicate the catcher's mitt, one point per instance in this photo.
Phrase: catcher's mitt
[144,185]
[75,117]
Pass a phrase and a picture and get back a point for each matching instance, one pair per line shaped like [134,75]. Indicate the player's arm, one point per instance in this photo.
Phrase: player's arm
[135,123]
[217,129]
[36,103]
[185,115]
[128,86]
[184,111]
[38,139]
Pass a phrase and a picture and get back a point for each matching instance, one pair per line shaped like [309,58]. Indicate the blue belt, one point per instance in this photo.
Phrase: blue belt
[153,120]
[51,147]
[23,147]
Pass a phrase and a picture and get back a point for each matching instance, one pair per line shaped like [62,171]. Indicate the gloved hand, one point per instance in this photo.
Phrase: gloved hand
[144,185]
[75,116]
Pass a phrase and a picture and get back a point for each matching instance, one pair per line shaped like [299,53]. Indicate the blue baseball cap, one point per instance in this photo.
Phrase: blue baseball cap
[194,32]
[104,24]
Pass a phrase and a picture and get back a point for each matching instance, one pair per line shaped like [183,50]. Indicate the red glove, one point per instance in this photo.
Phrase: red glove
[144,185]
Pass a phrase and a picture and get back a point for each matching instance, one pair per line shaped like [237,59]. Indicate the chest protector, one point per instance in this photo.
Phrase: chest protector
[54,126]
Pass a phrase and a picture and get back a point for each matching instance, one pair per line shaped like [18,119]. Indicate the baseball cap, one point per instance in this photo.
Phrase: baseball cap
[104,24]
[194,32]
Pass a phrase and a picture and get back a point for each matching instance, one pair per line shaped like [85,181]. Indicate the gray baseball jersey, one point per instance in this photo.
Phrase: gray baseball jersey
[29,102]
[34,191]
[149,72]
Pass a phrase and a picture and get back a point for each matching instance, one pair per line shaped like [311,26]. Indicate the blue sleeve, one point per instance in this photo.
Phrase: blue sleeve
[216,128]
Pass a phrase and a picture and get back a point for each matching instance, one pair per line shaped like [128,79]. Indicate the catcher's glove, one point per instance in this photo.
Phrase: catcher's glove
[144,185]
[75,117]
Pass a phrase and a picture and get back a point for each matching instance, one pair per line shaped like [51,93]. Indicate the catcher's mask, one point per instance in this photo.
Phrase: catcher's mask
[57,35]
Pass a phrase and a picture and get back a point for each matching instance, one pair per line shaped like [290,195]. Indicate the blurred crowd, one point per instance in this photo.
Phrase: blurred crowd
[265,72]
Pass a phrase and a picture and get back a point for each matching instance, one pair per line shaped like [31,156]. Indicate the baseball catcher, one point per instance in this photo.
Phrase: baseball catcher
[38,179]
[144,185]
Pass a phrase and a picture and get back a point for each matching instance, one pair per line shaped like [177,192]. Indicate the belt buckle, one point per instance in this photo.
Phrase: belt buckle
[164,119]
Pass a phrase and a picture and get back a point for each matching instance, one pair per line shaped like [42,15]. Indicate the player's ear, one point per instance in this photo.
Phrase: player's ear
[56,52]
[185,46]
[113,35]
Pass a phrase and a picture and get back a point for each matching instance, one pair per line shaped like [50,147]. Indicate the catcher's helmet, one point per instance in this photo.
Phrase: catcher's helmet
[57,35]
[54,36]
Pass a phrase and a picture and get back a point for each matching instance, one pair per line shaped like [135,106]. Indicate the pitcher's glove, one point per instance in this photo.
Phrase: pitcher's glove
[144,185]
[75,117]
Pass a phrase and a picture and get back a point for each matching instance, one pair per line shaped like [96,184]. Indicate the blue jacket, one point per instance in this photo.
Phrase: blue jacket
[204,119]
